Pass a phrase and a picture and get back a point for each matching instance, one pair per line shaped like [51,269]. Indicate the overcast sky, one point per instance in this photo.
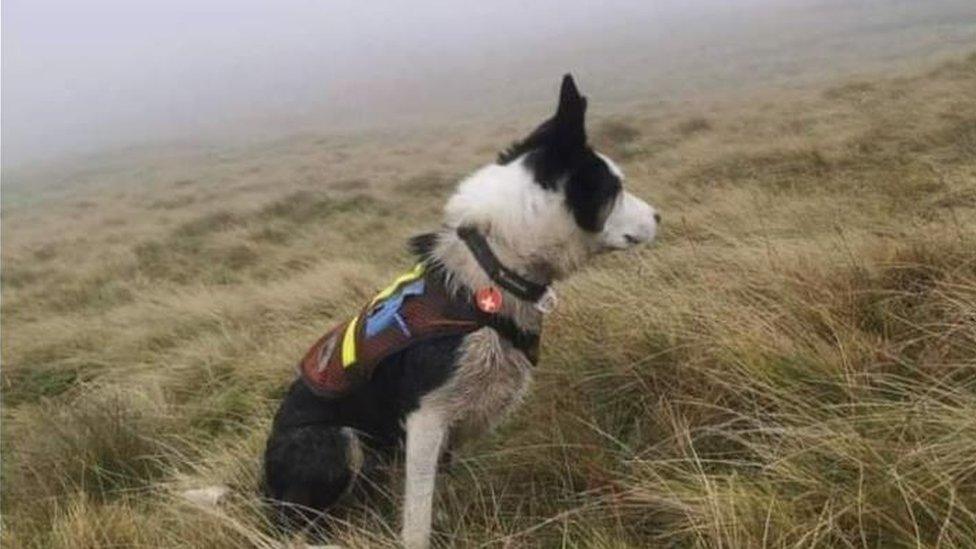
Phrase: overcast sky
[80,75]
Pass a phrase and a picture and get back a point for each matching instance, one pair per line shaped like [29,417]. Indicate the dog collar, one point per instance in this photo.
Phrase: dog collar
[540,295]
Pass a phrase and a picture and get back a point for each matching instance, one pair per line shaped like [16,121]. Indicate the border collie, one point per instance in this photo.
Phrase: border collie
[548,204]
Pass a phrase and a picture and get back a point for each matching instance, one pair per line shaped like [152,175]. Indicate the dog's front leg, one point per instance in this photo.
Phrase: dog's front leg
[425,434]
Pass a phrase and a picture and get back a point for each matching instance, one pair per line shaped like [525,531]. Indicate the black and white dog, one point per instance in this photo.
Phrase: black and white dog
[544,208]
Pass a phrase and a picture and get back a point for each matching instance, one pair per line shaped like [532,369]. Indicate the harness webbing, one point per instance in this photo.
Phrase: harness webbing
[416,307]
[349,336]
[409,276]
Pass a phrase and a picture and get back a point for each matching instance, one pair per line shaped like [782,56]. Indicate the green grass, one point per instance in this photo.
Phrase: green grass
[793,364]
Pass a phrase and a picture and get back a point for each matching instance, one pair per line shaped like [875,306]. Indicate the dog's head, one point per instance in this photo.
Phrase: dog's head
[551,199]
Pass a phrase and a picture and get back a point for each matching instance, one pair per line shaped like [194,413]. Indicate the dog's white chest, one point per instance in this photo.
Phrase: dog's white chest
[491,379]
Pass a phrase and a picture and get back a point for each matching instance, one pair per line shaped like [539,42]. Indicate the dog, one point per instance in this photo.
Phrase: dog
[547,205]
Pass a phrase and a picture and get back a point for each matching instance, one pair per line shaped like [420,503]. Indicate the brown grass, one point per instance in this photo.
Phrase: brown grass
[792,365]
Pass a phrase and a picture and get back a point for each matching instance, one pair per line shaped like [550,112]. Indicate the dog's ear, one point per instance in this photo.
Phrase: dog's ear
[559,143]
[570,119]
[572,105]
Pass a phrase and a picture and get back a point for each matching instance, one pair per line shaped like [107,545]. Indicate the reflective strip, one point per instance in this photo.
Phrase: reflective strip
[349,343]
[349,337]
[414,274]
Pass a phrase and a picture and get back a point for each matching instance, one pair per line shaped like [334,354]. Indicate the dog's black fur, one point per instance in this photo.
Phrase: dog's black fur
[307,465]
[558,150]
[306,460]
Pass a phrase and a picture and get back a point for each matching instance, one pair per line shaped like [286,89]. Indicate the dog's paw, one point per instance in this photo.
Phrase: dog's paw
[211,496]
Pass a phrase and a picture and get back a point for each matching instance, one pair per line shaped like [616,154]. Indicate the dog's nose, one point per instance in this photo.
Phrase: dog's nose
[657,217]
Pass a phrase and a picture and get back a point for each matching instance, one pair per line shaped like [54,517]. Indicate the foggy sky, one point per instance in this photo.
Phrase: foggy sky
[79,76]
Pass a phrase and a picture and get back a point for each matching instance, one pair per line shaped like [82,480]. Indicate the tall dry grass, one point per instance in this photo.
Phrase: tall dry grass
[792,365]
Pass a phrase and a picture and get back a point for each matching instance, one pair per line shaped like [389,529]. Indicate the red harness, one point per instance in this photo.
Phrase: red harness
[415,308]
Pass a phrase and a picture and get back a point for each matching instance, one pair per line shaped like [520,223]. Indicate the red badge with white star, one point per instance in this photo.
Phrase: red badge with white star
[489,299]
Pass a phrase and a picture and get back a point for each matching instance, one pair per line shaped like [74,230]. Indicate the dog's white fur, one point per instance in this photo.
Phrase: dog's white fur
[530,225]
[209,496]
[532,231]
[631,217]
[426,429]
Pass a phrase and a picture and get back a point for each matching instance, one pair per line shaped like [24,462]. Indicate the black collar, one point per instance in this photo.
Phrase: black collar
[518,285]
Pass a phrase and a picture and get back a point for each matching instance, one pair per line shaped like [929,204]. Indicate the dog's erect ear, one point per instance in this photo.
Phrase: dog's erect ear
[570,116]
[572,105]
[559,143]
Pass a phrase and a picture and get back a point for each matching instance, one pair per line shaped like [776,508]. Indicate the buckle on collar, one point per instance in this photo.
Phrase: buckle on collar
[547,303]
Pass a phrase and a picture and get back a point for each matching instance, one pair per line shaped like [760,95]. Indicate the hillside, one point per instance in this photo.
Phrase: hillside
[792,364]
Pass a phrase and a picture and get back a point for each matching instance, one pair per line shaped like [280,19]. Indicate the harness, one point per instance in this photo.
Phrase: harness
[416,307]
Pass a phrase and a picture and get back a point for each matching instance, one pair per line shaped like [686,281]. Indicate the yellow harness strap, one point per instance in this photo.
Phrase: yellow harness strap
[410,276]
[349,336]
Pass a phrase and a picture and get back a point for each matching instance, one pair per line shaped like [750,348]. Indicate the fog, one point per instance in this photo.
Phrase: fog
[80,77]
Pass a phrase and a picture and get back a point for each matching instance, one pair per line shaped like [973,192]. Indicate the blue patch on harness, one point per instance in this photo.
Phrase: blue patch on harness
[388,311]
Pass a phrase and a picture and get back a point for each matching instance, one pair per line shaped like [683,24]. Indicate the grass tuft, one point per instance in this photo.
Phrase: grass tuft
[792,365]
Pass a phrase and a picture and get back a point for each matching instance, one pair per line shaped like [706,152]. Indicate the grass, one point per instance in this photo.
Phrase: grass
[792,365]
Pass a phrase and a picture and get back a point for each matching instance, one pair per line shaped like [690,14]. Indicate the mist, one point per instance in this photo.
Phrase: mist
[82,77]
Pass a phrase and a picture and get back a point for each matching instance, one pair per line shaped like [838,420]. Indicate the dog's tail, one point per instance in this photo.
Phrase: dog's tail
[208,496]
[215,495]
